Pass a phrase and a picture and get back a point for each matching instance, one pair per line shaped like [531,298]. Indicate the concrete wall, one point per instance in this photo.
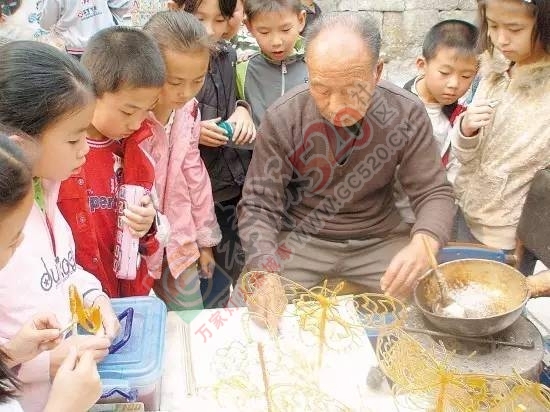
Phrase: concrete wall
[403,24]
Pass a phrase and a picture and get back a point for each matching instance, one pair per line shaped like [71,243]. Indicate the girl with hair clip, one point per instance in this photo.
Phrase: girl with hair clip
[49,96]
[226,155]
[181,179]
[503,138]
[76,386]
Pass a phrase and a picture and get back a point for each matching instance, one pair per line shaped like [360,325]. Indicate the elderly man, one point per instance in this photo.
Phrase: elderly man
[318,198]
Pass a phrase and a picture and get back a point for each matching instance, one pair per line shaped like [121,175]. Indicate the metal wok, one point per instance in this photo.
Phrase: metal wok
[506,281]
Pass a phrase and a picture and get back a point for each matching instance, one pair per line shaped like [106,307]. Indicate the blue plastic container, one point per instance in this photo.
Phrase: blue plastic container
[132,371]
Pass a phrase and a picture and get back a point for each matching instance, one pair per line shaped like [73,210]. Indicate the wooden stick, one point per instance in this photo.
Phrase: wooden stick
[190,383]
[264,376]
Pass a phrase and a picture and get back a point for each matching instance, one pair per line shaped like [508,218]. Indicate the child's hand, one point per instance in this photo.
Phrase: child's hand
[111,324]
[206,263]
[244,131]
[140,218]
[98,346]
[211,134]
[37,335]
[477,115]
[77,386]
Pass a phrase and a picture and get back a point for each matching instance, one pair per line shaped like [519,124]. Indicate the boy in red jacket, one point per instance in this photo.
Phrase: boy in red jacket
[89,200]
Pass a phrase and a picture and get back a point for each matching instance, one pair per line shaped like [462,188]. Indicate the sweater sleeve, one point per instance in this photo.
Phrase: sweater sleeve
[88,285]
[263,203]
[423,178]
[465,148]
[200,192]
[50,13]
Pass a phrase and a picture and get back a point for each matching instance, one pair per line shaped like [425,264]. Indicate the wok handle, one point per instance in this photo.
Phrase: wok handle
[529,345]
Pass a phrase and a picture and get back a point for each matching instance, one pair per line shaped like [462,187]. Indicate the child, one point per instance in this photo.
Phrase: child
[503,138]
[182,182]
[76,386]
[447,68]
[313,12]
[237,33]
[226,159]
[49,96]
[266,76]
[128,73]
[76,21]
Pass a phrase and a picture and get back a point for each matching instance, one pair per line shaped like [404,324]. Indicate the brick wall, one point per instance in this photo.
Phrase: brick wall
[403,24]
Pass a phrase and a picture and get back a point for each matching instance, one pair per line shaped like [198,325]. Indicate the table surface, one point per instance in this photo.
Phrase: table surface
[174,396]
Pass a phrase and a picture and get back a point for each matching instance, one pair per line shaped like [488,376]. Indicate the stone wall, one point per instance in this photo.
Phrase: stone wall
[403,24]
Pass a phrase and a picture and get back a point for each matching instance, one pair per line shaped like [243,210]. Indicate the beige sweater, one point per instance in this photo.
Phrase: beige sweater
[498,164]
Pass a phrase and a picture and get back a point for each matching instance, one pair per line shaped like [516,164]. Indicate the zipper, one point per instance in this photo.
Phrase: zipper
[283,72]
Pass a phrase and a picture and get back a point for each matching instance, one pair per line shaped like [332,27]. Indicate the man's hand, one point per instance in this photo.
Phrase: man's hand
[265,298]
[407,266]
[212,135]
[477,115]
[39,334]
[140,218]
[244,130]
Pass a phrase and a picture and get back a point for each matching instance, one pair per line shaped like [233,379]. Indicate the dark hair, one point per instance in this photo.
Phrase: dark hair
[9,385]
[364,26]
[453,34]
[120,56]
[541,12]
[254,7]
[39,85]
[227,7]
[15,173]
[178,31]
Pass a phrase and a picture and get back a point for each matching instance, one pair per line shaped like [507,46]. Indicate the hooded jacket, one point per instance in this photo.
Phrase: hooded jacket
[76,21]
[92,212]
[261,81]
[498,164]
[184,190]
[37,279]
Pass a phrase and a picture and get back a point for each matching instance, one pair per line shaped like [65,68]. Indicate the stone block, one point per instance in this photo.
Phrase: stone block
[372,5]
[416,24]
[394,39]
[431,4]
[377,16]
[399,71]
[466,15]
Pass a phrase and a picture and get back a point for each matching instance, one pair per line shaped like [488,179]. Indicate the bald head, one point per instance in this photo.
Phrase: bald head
[342,57]
[333,32]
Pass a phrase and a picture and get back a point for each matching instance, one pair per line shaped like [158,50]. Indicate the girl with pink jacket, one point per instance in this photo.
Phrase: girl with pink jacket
[182,182]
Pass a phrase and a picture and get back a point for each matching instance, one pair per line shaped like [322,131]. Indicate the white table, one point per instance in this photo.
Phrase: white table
[174,396]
